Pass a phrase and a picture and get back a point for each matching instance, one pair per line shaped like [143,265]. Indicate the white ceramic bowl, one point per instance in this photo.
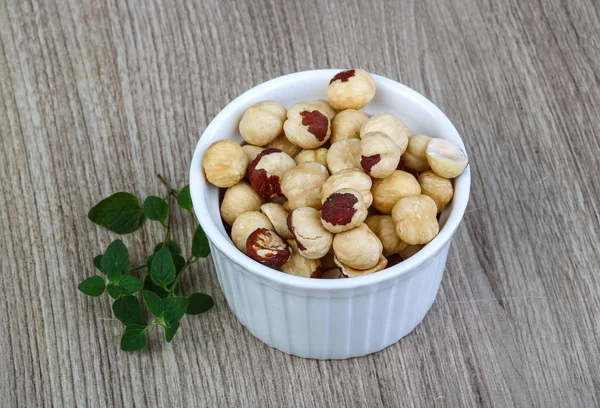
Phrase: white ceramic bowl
[327,318]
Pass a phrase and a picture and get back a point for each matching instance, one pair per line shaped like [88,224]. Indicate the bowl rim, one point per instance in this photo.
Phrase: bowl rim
[198,185]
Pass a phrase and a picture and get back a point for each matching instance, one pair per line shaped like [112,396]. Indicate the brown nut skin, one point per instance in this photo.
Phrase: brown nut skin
[307,126]
[302,185]
[349,178]
[267,169]
[380,155]
[312,155]
[387,191]
[239,199]
[224,163]
[262,122]
[327,261]
[358,248]
[245,224]
[277,214]
[299,265]
[385,228]
[415,219]
[445,158]
[346,125]
[390,125]
[343,210]
[268,248]
[414,157]
[283,144]
[353,272]
[436,187]
[313,240]
[343,155]
[333,273]
[410,251]
[252,151]
[351,89]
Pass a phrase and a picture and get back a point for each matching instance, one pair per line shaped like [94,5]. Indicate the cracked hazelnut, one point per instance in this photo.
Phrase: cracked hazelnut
[299,265]
[245,224]
[351,89]
[358,248]
[333,273]
[307,126]
[436,187]
[267,247]
[224,163]
[387,191]
[415,219]
[252,151]
[316,155]
[379,154]
[346,125]
[302,185]
[283,144]
[445,158]
[344,154]
[267,169]
[349,178]
[262,122]
[277,214]
[239,199]
[414,157]
[343,210]
[385,228]
[313,240]
[390,125]
[353,272]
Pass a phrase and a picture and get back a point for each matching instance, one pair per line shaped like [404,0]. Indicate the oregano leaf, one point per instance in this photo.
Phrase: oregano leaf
[98,262]
[114,290]
[184,199]
[156,209]
[179,262]
[151,286]
[176,306]
[134,338]
[162,270]
[153,302]
[172,245]
[92,286]
[114,275]
[171,330]
[120,213]
[116,256]
[128,310]
[130,284]
[200,248]
[199,303]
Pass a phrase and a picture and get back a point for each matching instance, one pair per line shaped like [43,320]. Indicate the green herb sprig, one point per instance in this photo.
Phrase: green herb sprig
[122,213]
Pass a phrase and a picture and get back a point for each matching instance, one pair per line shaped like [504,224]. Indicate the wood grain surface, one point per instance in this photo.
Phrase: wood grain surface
[98,96]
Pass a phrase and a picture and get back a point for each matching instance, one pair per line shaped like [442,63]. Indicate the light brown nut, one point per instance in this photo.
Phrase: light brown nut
[352,89]
[415,219]
[299,265]
[346,125]
[410,251]
[343,210]
[277,214]
[387,191]
[414,157]
[316,155]
[327,260]
[239,199]
[343,155]
[385,228]
[313,240]
[252,151]
[358,248]
[307,126]
[245,224]
[266,171]
[436,187]
[333,273]
[379,154]
[267,247]
[445,158]
[349,178]
[302,185]
[262,122]
[389,124]
[353,272]
[224,163]
[324,106]
[283,144]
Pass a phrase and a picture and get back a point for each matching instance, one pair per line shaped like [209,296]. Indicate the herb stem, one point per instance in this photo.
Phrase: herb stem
[137,268]
[188,262]
[166,184]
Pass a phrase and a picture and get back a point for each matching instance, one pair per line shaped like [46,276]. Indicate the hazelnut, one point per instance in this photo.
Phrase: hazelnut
[239,199]
[324,106]
[393,260]
[389,124]
[343,210]
[317,155]
[344,154]
[414,157]
[436,187]
[349,178]
[445,158]
[346,125]
[333,273]
[415,219]
[387,191]
[384,227]
[283,144]
[352,89]
[267,247]
[402,166]
[327,260]
[307,126]
[358,248]
[313,240]
[277,214]
[266,171]
[245,224]
[262,122]
[302,185]
[410,251]
[379,154]
[353,272]
[252,151]
[301,266]
[224,163]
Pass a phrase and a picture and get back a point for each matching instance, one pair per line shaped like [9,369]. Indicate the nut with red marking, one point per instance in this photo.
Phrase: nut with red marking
[302,185]
[245,224]
[267,247]
[343,155]
[358,248]
[267,169]
[436,187]
[350,272]
[312,155]
[379,154]
[414,157]
[343,210]
[299,265]
[415,219]
[224,163]
[349,178]
[307,126]
[262,122]
[390,125]
[313,240]
[324,106]
[387,191]
[277,214]
[352,89]
[239,199]
[385,228]
[283,144]
[445,158]
[347,124]
[252,151]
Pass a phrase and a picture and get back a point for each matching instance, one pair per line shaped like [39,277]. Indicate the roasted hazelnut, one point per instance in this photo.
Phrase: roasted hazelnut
[414,157]
[415,219]
[387,191]
[239,199]
[283,144]
[349,178]
[410,251]
[252,151]
[379,154]
[316,155]
[267,169]
[307,126]
[353,272]
[262,122]
[299,265]
[302,185]
[224,163]
[390,125]
[313,240]
[346,125]
[245,224]
[385,228]
[343,210]
[267,247]
[277,214]
[352,89]
[333,273]
[436,187]
[358,248]
[343,155]
[445,158]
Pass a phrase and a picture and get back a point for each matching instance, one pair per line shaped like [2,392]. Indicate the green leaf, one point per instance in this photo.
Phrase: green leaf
[130,284]
[149,262]
[172,245]
[184,200]
[162,271]
[179,262]
[199,303]
[153,302]
[156,209]
[114,290]
[171,330]
[151,286]
[128,310]
[98,262]
[114,275]
[92,286]
[176,306]
[134,338]
[116,256]
[120,213]
[200,248]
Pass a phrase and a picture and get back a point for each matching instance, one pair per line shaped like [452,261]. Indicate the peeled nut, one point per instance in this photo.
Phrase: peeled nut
[402,166]
[245,224]
[346,125]
[313,240]
[278,217]
[262,122]
[393,127]
[414,156]
[333,273]
[252,151]
[445,158]
[343,210]
[410,251]
[266,171]
[307,126]
[343,155]
[349,178]
[384,227]
[436,187]
[316,155]
[324,106]
[224,163]
[268,248]
[283,144]
[353,272]
[302,185]
[387,191]
[352,89]
[380,155]
[358,248]
[415,219]
[301,266]
[239,199]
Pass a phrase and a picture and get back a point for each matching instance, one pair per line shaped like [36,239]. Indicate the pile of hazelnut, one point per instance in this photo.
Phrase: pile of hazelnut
[322,190]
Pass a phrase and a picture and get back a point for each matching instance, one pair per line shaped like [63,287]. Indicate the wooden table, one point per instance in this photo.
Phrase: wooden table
[98,97]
